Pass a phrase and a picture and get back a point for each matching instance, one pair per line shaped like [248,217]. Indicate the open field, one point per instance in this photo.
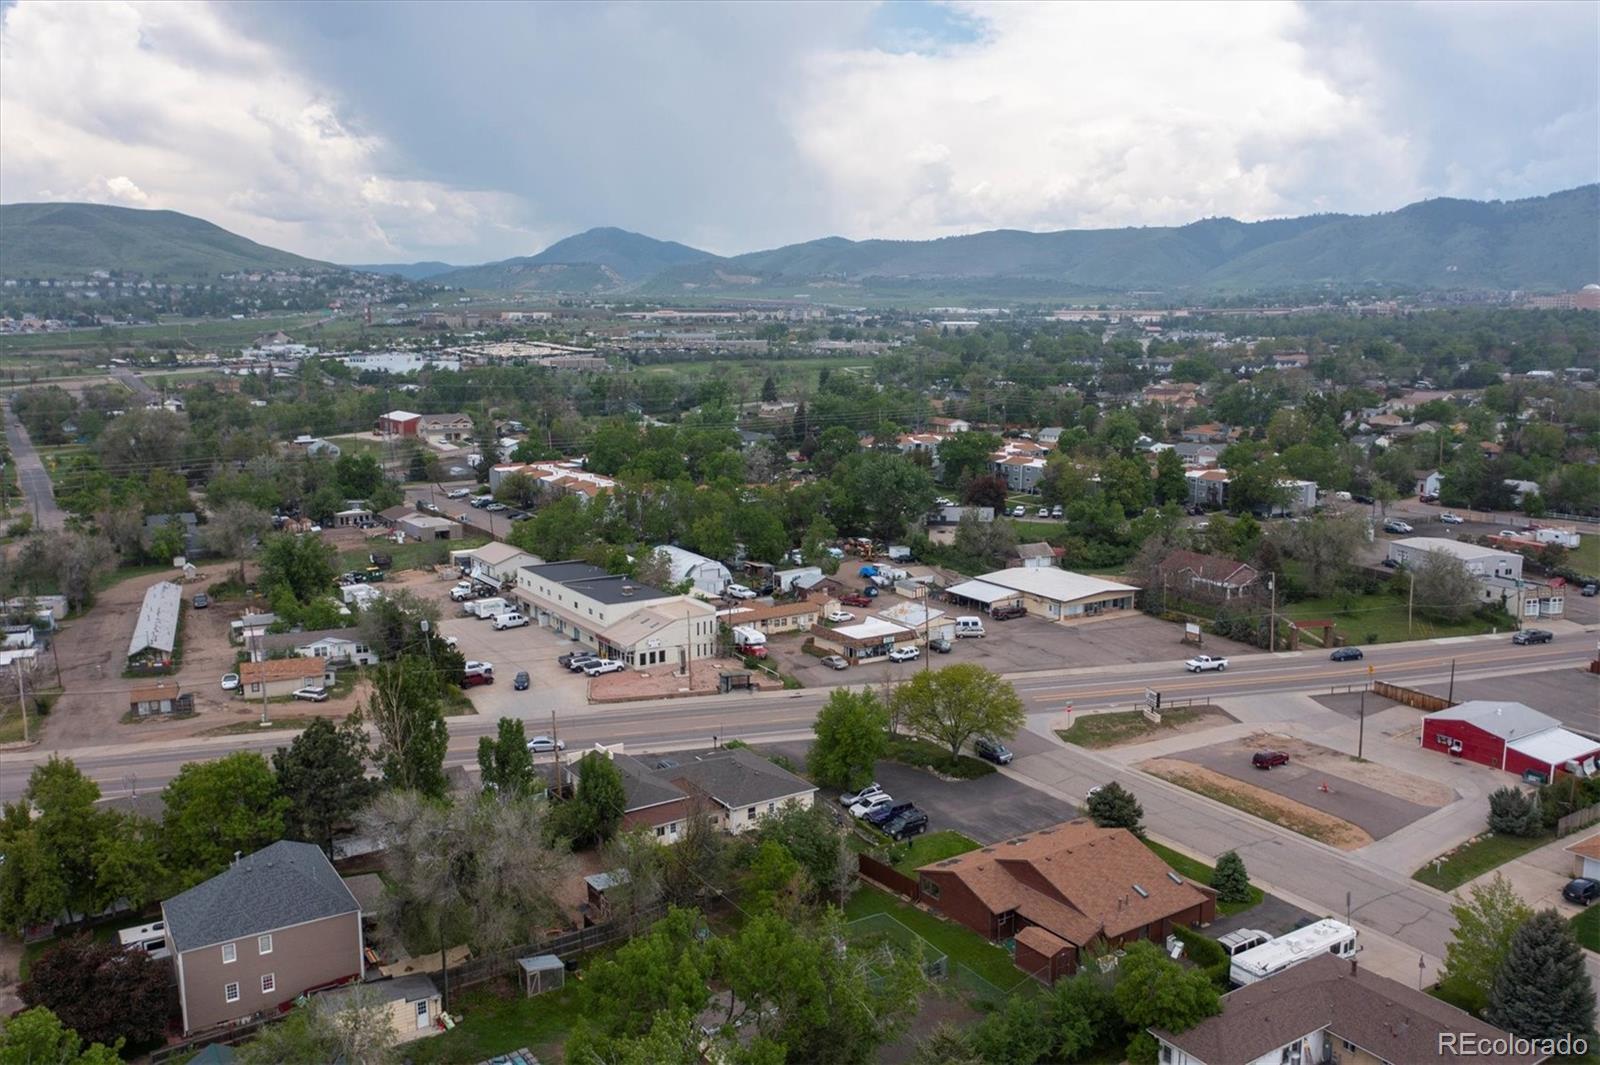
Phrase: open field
[1474,858]
[172,332]
[1131,726]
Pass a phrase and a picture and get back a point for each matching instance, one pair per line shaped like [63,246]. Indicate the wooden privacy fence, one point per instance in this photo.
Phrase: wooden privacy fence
[1410,696]
[889,877]
[1578,819]
[504,962]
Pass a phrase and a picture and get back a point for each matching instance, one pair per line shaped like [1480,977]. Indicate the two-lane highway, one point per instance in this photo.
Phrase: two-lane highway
[31,475]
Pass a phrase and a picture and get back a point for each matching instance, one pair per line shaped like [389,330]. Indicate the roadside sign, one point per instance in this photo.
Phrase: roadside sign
[1152,698]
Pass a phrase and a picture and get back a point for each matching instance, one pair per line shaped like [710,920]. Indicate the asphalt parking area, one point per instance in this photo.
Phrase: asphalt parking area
[529,648]
[1375,812]
[1569,695]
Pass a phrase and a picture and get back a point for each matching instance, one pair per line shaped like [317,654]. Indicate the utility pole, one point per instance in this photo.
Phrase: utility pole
[1361,735]
[1411,599]
[22,699]
[262,661]
[1452,696]
[1272,617]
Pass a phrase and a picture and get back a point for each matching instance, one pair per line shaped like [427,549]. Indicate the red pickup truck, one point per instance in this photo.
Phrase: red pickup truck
[855,600]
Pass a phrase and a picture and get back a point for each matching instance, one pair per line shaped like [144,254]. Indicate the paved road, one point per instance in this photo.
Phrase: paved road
[31,476]
[135,384]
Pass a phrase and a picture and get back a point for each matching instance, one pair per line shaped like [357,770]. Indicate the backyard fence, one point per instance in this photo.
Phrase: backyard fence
[1578,819]
[504,963]
[1411,697]
[882,926]
[889,877]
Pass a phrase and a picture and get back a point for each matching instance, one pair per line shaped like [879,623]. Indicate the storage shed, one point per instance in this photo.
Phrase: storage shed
[541,973]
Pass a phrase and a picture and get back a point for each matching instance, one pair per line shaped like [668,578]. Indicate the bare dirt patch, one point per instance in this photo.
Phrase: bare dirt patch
[1419,790]
[1259,802]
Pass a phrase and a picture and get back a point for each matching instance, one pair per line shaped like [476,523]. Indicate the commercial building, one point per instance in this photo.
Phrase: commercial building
[418,526]
[445,428]
[1509,736]
[494,564]
[155,633]
[1328,1009]
[398,423]
[596,608]
[273,926]
[1058,594]
[865,641]
[706,574]
[799,616]
[1061,889]
[1481,562]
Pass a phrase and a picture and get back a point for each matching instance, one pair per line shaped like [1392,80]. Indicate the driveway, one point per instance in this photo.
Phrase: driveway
[31,476]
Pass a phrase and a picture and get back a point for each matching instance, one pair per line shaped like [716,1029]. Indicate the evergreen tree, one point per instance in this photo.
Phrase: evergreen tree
[1542,990]
[769,390]
[1230,880]
[323,774]
[1114,806]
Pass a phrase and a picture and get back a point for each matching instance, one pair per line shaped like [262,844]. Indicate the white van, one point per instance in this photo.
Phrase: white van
[969,626]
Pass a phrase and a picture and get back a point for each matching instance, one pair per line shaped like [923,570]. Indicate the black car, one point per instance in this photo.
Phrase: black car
[1346,654]
[940,644]
[565,661]
[1368,500]
[884,815]
[1527,636]
[911,823]
[1582,891]
[201,601]
[991,751]
[520,681]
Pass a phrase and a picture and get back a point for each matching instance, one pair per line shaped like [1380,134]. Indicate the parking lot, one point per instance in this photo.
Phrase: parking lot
[1017,646]
[1569,695]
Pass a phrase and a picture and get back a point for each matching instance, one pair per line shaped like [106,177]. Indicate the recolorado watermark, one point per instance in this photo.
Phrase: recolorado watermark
[1471,1044]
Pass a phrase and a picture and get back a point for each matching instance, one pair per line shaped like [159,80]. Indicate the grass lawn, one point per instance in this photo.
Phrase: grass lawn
[1586,926]
[1200,873]
[910,751]
[1586,559]
[495,1019]
[989,961]
[128,573]
[1108,730]
[1476,858]
[11,725]
[928,848]
[412,555]
[1380,618]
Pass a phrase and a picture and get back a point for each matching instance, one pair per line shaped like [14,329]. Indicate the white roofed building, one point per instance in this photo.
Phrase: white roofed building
[1058,594]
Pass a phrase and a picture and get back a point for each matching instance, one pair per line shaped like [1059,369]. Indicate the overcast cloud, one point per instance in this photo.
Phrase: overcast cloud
[466,132]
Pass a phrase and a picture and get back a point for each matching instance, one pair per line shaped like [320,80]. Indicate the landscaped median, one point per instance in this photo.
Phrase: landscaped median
[1116,728]
[908,750]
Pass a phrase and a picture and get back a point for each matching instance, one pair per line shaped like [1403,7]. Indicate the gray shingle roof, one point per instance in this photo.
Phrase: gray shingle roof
[285,884]
[738,777]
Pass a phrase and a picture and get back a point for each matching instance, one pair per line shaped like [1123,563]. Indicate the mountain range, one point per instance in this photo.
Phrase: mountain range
[1549,242]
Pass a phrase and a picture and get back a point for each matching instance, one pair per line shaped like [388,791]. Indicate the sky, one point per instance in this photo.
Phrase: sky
[468,132]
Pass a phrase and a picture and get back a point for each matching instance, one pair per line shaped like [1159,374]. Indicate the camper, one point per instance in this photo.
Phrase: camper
[148,938]
[750,641]
[1324,937]
[486,608]
[969,626]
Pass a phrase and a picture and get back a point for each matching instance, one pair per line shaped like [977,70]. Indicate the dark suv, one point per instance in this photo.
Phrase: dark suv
[1581,891]
[1527,636]
[1006,613]
[991,750]
[883,816]
[911,823]
[1268,759]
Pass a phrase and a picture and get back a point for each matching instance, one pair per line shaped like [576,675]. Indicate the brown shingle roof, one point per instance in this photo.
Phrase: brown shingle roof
[275,669]
[1587,848]
[1209,567]
[1042,941]
[1384,1017]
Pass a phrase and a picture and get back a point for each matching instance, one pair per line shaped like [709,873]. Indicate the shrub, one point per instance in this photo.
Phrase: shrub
[1230,880]
[1512,813]
[1207,955]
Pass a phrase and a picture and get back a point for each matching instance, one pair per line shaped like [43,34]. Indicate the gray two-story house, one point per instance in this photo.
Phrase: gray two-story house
[274,925]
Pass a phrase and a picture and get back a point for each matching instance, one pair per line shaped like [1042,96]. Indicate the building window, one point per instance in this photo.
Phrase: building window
[750,812]
[929,888]
[230,992]
[264,944]
[1347,1044]
[660,831]
[229,954]
[269,983]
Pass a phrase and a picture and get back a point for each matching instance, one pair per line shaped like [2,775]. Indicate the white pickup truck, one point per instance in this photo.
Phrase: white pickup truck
[1205,663]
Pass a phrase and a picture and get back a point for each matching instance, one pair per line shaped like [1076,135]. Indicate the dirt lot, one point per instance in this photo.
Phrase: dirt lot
[1260,802]
[1019,646]
[1320,788]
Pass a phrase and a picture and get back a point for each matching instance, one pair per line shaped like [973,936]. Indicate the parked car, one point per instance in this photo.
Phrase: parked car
[312,695]
[850,798]
[1394,525]
[1581,891]
[458,493]
[1044,512]
[474,666]
[940,644]
[888,813]
[1268,759]
[855,600]
[1359,498]
[911,823]
[738,591]
[545,745]
[837,616]
[871,803]
[905,654]
[565,660]
[578,663]
[1055,511]
[835,662]
[1205,664]
[520,682]
[1019,511]
[509,620]
[1527,636]
[200,601]
[603,666]
[1346,654]
[992,750]
[1009,611]
[1451,518]
[472,680]
[230,682]
[1590,590]
[1390,563]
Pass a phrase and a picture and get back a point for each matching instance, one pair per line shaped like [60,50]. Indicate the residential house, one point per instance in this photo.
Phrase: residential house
[274,925]
[316,447]
[392,516]
[1050,435]
[1192,575]
[336,647]
[412,1003]
[1048,592]
[1586,857]
[737,787]
[161,697]
[706,574]
[1021,463]
[1177,397]
[1291,360]
[1197,454]
[155,633]
[282,676]
[950,425]
[1509,736]
[454,428]
[356,515]
[1062,889]
[191,545]
[1429,482]
[1328,1009]
[1209,433]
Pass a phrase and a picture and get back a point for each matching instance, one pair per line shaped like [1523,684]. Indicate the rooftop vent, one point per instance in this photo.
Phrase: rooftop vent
[1174,877]
[1143,894]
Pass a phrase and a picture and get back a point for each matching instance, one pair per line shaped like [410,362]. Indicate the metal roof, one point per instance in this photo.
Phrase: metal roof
[1509,721]
[1049,583]
[285,884]
[157,627]
[981,592]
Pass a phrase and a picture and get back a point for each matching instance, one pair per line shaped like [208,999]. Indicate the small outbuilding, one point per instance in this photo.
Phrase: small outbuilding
[541,973]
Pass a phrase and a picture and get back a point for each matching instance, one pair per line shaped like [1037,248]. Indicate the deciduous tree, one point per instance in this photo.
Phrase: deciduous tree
[1485,923]
[852,735]
[412,736]
[214,810]
[505,761]
[1444,588]
[37,1037]
[1152,990]
[100,991]
[954,704]
[233,528]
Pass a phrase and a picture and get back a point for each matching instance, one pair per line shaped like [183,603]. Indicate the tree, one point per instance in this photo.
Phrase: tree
[1542,989]
[636,861]
[1153,991]
[987,491]
[213,810]
[302,564]
[595,810]
[945,1045]
[129,868]
[774,881]
[888,490]
[769,390]
[1230,880]
[323,774]
[852,735]
[1328,544]
[233,528]
[37,1037]
[1485,925]
[1014,1034]
[76,561]
[1079,1013]
[412,736]
[1514,813]
[986,542]
[953,704]
[100,991]
[654,569]
[1444,588]
[353,1025]
[1114,806]
[1171,486]
[966,455]
[68,827]
[505,760]
[819,843]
